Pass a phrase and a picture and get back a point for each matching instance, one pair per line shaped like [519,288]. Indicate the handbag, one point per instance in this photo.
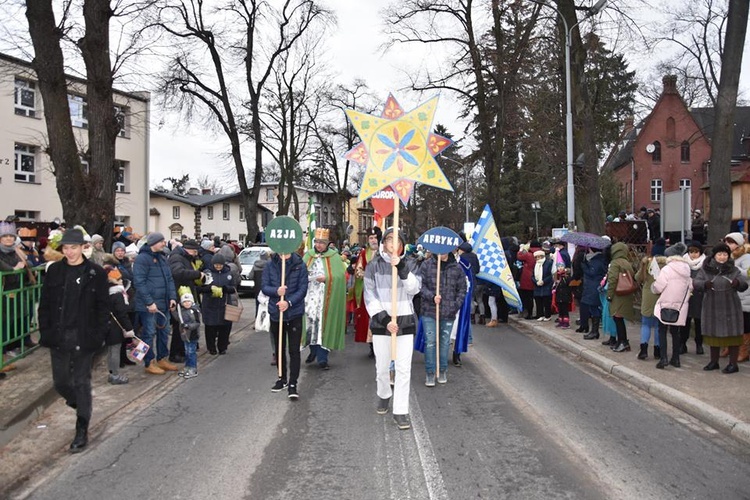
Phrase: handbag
[626,285]
[233,312]
[669,315]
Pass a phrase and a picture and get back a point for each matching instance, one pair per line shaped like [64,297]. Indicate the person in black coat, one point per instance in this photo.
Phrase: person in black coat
[73,311]
[119,326]
[213,304]
[185,272]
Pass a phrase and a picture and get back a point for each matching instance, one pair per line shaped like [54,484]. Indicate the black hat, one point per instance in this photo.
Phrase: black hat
[721,247]
[694,244]
[191,245]
[375,231]
[465,247]
[72,237]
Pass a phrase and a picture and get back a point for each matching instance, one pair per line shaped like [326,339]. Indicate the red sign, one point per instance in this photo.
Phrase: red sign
[383,201]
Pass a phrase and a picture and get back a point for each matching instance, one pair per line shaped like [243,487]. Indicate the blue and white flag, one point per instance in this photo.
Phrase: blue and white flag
[493,266]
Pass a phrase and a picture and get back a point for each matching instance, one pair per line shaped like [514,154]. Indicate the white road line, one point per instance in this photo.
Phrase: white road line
[432,475]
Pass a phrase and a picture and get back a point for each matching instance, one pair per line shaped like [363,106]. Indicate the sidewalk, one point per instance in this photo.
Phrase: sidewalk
[27,395]
[713,397]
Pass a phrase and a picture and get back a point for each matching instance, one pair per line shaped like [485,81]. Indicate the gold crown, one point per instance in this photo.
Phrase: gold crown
[322,233]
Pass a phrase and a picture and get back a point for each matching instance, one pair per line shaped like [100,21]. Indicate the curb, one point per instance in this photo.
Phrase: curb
[718,419]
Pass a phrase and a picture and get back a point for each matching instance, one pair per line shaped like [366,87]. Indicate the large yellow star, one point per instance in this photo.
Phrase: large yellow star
[398,149]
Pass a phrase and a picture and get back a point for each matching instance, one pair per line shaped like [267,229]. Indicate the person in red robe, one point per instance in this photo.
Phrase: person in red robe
[361,318]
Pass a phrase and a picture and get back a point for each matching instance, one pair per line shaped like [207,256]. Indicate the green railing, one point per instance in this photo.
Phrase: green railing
[18,313]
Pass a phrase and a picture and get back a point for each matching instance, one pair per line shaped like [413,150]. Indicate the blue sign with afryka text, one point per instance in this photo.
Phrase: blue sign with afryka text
[440,240]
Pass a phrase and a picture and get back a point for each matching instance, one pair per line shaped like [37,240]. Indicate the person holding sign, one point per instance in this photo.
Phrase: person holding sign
[448,296]
[378,300]
[325,304]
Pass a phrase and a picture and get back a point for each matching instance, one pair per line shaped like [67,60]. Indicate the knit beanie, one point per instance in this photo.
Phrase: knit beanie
[117,244]
[207,244]
[736,237]
[678,249]
[154,238]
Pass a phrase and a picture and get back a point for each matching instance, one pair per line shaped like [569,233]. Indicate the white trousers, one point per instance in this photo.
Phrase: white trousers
[381,344]
[493,307]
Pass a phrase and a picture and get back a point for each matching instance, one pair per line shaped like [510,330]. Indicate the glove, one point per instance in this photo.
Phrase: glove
[735,283]
[709,285]
[129,334]
[217,292]
[403,271]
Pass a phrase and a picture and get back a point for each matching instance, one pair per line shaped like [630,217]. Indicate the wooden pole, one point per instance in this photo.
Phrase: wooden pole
[394,286]
[437,321]
[280,349]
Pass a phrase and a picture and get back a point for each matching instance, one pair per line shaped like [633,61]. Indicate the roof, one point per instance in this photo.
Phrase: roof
[198,200]
[704,117]
[623,151]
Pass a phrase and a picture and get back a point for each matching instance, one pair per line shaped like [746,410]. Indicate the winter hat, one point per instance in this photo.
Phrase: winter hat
[218,259]
[539,253]
[546,246]
[534,244]
[678,249]
[465,247]
[7,229]
[72,237]
[117,244]
[375,231]
[207,244]
[736,237]
[692,244]
[114,275]
[721,247]
[96,238]
[389,231]
[154,238]
[187,297]
[191,245]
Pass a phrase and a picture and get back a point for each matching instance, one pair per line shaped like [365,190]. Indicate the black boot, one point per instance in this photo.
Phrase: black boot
[372,352]
[594,329]
[611,341]
[82,436]
[584,328]
[657,352]
[643,353]
[699,348]
[662,363]
[622,346]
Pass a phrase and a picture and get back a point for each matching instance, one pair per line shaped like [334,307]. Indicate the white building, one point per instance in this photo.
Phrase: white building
[27,186]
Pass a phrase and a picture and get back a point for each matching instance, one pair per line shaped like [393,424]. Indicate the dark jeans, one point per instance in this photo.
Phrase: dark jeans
[527,300]
[676,341]
[71,375]
[544,306]
[292,335]
[218,336]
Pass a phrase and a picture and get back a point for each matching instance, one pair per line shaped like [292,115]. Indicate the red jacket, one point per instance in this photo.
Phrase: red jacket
[527,273]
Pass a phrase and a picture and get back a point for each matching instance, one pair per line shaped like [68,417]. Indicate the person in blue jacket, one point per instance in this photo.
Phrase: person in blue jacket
[293,307]
[155,297]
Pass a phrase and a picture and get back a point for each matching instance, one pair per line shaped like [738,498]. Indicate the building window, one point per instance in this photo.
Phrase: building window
[685,183]
[225,236]
[175,231]
[656,155]
[26,215]
[25,161]
[121,176]
[324,218]
[655,189]
[25,98]
[122,115]
[122,221]
[269,194]
[685,152]
[243,237]
[79,111]
[210,212]
[176,212]
[242,212]
[85,165]
[225,211]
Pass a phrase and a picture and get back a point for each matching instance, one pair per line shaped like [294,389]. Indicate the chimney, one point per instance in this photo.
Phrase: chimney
[193,191]
[206,191]
[670,84]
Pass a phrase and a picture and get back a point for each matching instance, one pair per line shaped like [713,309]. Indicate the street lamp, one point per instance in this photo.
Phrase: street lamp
[569,102]
[536,207]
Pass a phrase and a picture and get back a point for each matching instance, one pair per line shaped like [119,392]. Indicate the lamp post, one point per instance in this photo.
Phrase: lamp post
[569,103]
[536,207]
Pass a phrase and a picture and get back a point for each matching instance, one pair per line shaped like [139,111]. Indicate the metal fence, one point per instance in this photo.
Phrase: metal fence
[18,313]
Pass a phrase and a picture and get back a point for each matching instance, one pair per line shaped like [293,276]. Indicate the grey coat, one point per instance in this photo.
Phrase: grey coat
[721,315]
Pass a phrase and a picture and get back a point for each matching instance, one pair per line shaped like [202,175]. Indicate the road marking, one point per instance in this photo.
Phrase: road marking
[432,475]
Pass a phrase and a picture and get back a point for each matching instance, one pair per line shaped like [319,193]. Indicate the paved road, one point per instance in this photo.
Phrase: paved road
[518,420]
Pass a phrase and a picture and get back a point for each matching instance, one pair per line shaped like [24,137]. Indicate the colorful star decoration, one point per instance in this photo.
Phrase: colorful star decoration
[398,149]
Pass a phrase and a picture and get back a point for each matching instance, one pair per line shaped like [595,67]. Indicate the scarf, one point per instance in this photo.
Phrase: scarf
[8,249]
[539,270]
[695,264]
[113,289]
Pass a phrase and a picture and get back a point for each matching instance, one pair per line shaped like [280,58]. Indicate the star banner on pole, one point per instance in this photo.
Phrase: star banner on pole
[398,149]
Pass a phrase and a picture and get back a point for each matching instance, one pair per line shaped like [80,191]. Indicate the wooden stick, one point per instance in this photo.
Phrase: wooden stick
[280,353]
[394,277]
[437,321]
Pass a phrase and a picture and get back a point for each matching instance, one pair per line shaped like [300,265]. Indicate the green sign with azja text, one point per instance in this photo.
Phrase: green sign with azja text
[283,234]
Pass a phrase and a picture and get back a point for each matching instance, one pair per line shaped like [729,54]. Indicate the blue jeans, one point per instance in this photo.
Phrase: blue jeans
[191,355]
[160,330]
[428,324]
[649,324]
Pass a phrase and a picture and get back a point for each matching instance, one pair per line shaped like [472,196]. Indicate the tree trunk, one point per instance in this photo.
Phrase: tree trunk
[720,188]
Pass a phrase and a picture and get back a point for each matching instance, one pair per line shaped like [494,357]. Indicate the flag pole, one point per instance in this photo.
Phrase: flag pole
[437,321]
[394,288]
[279,349]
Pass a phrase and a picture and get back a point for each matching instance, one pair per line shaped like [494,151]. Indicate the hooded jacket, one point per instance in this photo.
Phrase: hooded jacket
[153,281]
[673,285]
[296,286]
[452,288]
[620,305]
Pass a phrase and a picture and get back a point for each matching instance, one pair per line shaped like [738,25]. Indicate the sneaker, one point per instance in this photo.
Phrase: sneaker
[154,369]
[383,405]
[292,392]
[540,318]
[190,373]
[402,421]
[547,319]
[167,365]
[279,385]
[430,380]
[443,377]
[117,379]
[325,366]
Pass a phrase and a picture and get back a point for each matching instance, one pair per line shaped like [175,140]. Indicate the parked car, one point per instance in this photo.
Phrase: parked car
[247,257]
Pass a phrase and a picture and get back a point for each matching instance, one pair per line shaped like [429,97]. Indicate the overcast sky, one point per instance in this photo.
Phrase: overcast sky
[354,52]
